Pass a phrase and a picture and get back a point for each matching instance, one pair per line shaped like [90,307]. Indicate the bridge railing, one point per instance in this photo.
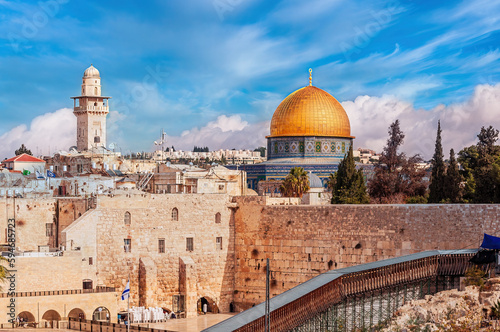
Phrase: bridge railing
[300,304]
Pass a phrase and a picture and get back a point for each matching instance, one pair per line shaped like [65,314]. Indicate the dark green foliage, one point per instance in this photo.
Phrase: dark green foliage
[452,189]
[262,151]
[22,150]
[200,149]
[481,168]
[296,183]
[396,176]
[474,276]
[348,184]
[437,192]
[416,200]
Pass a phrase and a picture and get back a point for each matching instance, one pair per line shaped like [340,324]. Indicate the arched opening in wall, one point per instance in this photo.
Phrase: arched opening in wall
[77,313]
[207,305]
[26,316]
[127,218]
[217,218]
[175,214]
[50,315]
[87,284]
[101,314]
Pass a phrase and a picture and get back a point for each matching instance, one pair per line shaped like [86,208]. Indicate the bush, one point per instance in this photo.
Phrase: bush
[475,276]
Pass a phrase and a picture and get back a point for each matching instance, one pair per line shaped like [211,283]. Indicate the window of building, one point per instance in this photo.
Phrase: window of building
[127,245]
[127,218]
[91,261]
[189,244]
[161,246]
[48,229]
[218,243]
[87,284]
[175,214]
[221,187]
[217,218]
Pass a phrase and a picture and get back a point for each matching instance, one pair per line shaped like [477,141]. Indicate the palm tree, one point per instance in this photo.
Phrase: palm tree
[296,183]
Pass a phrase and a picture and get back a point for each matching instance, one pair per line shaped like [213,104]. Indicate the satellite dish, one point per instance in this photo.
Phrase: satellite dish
[156,143]
[73,149]
[190,163]
[111,146]
[168,164]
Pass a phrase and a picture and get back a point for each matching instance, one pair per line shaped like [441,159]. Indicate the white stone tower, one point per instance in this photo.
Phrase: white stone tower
[91,110]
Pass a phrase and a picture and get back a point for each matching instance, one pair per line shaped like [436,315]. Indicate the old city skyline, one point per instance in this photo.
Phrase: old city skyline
[382,61]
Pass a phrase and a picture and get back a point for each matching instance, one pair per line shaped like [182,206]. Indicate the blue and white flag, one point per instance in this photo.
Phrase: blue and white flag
[126,291]
[39,175]
[50,174]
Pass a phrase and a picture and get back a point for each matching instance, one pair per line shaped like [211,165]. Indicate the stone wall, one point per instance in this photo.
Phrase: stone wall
[31,217]
[304,241]
[101,233]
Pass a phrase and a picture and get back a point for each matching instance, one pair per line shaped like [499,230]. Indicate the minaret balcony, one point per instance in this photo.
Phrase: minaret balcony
[91,108]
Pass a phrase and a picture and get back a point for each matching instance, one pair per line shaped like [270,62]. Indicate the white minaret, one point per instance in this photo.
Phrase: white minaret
[91,110]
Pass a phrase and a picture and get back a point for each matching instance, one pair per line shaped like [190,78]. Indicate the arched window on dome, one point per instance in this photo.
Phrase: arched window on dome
[175,214]
[127,218]
[217,218]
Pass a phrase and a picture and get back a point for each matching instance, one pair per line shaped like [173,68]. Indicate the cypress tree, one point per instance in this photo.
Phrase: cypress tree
[348,184]
[453,180]
[436,188]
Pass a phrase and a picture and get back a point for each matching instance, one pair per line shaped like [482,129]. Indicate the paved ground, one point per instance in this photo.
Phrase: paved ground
[194,324]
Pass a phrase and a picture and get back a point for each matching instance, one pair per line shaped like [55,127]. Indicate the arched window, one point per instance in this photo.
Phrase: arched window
[127,218]
[217,218]
[175,214]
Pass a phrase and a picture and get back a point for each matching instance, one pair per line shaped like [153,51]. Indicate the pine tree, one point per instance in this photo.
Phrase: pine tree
[22,150]
[486,171]
[436,188]
[396,177]
[452,189]
[348,184]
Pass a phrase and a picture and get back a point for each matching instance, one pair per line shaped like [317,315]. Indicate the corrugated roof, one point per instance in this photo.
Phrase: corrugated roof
[297,292]
[24,158]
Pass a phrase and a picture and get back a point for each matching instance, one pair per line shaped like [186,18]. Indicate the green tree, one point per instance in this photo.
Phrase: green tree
[396,176]
[22,150]
[223,160]
[348,184]
[296,183]
[468,158]
[262,151]
[486,172]
[453,179]
[436,188]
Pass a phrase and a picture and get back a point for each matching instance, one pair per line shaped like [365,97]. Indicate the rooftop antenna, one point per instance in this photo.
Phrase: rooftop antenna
[310,77]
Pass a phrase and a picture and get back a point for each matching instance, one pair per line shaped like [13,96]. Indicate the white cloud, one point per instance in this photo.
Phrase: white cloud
[371,116]
[227,132]
[47,132]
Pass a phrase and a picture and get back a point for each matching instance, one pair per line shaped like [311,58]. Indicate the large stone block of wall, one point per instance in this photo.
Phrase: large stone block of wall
[304,241]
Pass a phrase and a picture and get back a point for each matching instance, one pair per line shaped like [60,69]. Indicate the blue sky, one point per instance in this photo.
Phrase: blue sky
[201,69]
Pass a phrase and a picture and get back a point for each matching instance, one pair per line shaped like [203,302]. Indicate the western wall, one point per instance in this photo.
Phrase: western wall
[304,241]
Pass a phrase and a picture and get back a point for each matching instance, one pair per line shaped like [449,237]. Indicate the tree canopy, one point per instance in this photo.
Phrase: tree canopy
[348,184]
[296,183]
[396,177]
[23,149]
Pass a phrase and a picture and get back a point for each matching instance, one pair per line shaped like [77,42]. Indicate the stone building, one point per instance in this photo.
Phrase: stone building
[309,129]
[91,109]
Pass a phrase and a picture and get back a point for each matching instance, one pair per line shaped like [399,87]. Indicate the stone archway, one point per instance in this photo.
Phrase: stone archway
[77,313]
[51,315]
[26,316]
[101,314]
[208,305]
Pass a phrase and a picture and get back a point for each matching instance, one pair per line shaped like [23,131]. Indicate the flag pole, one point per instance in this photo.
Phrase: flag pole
[128,305]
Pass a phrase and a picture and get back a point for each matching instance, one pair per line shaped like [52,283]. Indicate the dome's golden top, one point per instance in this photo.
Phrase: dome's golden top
[310,111]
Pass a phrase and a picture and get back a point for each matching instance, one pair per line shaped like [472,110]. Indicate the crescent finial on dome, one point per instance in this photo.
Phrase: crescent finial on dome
[310,77]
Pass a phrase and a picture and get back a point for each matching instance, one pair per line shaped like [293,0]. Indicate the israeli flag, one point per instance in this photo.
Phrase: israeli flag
[39,175]
[50,174]
[126,291]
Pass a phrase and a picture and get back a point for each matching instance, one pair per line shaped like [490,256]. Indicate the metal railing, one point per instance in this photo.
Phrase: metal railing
[338,300]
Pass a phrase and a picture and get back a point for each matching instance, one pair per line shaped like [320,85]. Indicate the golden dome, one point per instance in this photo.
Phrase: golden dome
[310,111]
